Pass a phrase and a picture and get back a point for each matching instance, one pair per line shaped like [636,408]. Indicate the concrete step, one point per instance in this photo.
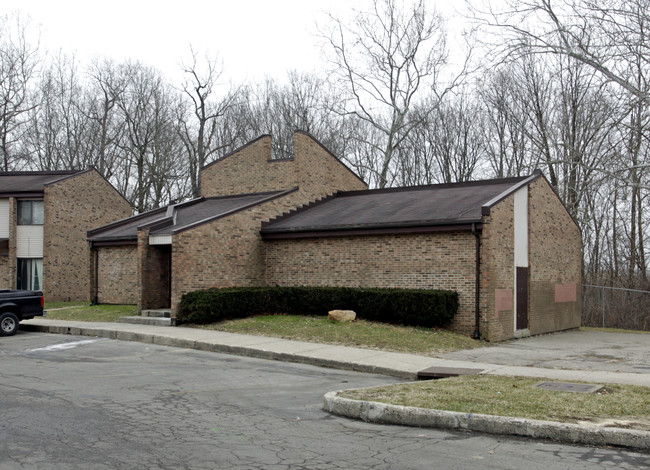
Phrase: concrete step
[157,321]
[158,313]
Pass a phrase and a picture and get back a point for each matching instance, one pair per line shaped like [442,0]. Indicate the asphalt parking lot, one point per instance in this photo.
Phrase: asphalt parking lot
[91,403]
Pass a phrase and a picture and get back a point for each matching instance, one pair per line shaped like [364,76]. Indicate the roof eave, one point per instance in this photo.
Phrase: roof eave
[369,230]
[487,207]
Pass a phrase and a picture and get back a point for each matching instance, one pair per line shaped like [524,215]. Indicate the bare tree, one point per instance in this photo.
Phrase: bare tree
[57,134]
[147,107]
[18,66]
[107,83]
[608,36]
[390,59]
[304,102]
[448,147]
[505,123]
[199,132]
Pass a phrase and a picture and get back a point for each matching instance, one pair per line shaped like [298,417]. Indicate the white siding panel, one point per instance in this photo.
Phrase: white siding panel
[4,218]
[521,227]
[160,240]
[29,241]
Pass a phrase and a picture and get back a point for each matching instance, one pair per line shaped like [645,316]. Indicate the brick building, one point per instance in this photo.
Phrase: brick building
[44,217]
[507,246]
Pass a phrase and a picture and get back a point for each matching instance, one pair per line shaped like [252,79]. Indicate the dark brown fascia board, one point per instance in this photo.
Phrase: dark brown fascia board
[299,209]
[273,195]
[39,172]
[17,195]
[370,231]
[513,180]
[331,154]
[379,225]
[113,242]
[121,222]
[66,177]
[235,151]
[487,207]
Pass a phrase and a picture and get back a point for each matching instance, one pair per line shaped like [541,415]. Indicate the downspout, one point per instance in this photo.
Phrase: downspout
[477,289]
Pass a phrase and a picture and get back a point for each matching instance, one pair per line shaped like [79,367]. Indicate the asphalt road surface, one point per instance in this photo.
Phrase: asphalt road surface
[87,403]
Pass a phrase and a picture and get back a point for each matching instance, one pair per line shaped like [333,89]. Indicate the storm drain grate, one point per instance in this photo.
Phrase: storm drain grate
[568,387]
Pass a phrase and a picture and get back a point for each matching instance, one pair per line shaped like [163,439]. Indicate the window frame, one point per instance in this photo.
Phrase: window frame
[22,219]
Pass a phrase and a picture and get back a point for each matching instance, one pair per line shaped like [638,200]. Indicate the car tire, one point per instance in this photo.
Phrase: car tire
[8,324]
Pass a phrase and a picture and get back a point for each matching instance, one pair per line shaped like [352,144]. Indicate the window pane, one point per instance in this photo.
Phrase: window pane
[22,281]
[24,212]
[37,212]
[37,274]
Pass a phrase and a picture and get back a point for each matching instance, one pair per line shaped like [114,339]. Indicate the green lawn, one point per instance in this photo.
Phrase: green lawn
[627,405]
[83,311]
[360,333]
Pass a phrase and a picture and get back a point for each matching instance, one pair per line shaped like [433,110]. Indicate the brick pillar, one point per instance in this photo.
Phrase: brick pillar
[143,252]
[92,271]
[11,265]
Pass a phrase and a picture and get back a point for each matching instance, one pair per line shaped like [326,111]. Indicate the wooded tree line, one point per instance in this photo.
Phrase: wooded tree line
[563,88]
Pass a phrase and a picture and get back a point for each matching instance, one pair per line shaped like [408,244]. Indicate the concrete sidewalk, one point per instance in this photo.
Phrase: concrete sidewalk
[400,365]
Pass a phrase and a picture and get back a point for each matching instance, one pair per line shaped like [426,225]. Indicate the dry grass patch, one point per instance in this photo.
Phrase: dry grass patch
[83,311]
[613,330]
[617,405]
[360,333]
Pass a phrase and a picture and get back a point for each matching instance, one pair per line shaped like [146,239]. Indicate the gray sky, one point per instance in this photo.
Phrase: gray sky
[253,38]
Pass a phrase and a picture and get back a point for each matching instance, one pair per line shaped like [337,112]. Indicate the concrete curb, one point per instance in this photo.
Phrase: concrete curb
[381,413]
[257,353]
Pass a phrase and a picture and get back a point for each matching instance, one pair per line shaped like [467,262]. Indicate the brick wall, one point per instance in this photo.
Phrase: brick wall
[319,172]
[555,263]
[4,272]
[72,207]
[250,169]
[555,266]
[8,263]
[118,275]
[497,272]
[226,252]
[416,261]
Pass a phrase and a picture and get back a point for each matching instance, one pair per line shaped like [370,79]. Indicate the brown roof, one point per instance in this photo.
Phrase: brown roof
[451,205]
[179,217]
[25,183]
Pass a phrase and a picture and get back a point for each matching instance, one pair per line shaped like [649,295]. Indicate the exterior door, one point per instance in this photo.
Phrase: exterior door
[522,298]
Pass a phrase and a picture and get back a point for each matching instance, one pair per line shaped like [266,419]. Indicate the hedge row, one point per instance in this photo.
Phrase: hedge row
[415,307]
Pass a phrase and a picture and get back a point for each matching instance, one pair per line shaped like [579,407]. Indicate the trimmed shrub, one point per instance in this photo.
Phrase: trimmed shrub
[414,307]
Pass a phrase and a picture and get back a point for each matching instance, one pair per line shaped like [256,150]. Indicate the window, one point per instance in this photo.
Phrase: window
[30,212]
[30,274]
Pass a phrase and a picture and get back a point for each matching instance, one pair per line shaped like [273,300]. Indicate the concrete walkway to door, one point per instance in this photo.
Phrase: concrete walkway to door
[573,350]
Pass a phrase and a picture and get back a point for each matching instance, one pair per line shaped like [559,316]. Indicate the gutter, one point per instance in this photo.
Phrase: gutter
[477,289]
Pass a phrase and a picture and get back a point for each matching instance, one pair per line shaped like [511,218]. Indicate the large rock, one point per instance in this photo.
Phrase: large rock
[341,315]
